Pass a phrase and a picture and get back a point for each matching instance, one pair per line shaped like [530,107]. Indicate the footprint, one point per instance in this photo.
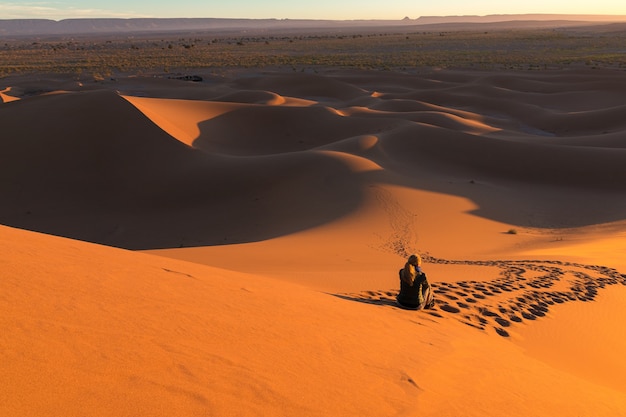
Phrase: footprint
[450,297]
[502,322]
[502,332]
[488,313]
[450,309]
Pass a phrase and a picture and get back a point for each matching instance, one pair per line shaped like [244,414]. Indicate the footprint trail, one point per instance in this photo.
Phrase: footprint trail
[525,291]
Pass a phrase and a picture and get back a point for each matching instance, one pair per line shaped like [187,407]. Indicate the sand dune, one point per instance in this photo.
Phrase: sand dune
[281,206]
[109,331]
[79,180]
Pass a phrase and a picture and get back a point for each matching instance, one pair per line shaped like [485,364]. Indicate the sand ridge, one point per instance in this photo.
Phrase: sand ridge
[6,97]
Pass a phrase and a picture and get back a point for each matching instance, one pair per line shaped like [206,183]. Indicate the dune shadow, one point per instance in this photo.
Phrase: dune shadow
[131,185]
[274,130]
[91,166]
[365,299]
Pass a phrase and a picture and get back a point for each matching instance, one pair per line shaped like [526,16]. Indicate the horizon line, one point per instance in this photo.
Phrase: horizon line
[324,19]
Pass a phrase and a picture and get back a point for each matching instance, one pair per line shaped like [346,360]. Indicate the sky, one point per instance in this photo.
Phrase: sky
[297,9]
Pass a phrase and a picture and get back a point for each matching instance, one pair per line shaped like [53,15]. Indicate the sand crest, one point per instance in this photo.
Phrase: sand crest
[6,97]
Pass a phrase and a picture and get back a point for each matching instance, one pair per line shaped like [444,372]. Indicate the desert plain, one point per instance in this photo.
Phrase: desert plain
[231,247]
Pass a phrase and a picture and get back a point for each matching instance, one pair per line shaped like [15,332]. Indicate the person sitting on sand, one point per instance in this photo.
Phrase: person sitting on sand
[415,291]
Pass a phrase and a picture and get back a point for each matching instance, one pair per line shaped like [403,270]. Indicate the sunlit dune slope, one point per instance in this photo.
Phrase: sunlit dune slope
[107,332]
[103,331]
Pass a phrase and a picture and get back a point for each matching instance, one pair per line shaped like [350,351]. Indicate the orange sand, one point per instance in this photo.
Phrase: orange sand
[260,221]
[5,96]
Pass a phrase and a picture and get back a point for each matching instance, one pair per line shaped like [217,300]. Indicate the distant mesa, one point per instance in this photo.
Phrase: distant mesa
[43,27]
[494,18]
[23,27]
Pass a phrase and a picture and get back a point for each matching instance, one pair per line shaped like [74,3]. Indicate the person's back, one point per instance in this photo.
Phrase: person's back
[415,291]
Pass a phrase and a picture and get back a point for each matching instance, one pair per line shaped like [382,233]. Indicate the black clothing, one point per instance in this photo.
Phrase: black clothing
[416,296]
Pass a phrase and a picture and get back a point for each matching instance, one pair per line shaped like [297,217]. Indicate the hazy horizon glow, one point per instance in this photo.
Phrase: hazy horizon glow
[281,9]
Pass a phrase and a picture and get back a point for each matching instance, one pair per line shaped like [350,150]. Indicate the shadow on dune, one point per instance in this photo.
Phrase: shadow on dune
[484,137]
[91,166]
[387,300]
[534,186]
[533,150]
[270,130]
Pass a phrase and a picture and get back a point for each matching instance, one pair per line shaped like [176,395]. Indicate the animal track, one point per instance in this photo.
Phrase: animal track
[525,291]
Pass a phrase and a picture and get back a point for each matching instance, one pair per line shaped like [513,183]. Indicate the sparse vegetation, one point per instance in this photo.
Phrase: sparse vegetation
[503,50]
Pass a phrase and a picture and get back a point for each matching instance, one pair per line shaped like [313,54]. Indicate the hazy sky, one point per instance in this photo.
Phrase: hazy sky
[297,9]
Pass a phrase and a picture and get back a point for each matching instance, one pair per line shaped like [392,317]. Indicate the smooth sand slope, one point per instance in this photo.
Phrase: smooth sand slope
[94,330]
[290,201]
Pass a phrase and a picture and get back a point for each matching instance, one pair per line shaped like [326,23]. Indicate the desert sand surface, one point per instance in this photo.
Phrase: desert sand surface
[232,246]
